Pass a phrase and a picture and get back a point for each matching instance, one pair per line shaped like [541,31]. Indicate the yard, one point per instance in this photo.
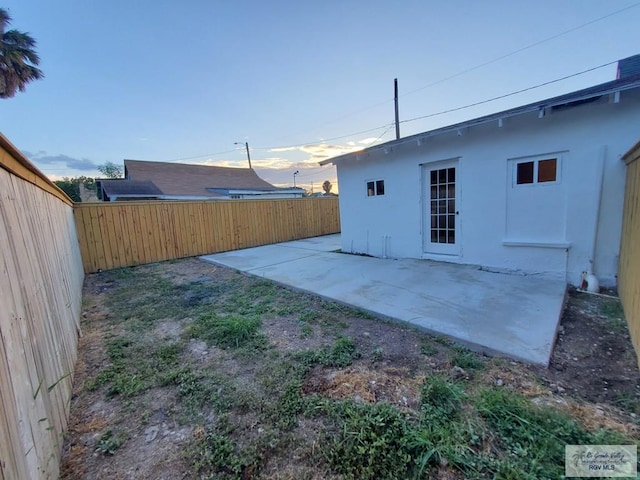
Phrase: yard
[190,370]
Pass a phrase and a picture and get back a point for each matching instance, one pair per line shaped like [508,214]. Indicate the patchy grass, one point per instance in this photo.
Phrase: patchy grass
[186,380]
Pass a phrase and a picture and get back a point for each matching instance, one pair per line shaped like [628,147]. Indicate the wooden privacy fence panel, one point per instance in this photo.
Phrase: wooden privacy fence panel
[120,234]
[629,267]
[41,279]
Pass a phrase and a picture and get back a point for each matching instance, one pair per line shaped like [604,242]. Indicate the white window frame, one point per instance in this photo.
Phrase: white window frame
[375,188]
[536,160]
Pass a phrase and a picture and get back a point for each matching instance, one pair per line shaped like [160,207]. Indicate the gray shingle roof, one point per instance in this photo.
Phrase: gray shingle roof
[129,187]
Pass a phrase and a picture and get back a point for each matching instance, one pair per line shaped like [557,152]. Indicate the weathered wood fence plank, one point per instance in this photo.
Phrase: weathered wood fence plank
[41,277]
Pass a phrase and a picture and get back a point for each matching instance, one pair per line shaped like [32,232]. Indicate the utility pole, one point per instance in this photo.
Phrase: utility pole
[246,144]
[395,98]
[294,178]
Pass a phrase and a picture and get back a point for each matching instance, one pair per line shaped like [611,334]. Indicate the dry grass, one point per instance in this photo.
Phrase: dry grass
[391,384]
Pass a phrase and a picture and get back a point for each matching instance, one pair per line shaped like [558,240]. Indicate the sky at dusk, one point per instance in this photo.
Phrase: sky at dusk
[299,81]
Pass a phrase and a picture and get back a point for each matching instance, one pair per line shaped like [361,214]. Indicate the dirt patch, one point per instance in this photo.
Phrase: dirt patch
[156,397]
[593,358]
[364,384]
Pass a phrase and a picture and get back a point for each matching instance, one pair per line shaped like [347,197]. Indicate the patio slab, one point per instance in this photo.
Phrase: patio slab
[494,313]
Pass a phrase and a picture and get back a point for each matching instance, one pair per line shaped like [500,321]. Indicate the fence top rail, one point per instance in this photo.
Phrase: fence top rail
[19,165]
[198,202]
[632,154]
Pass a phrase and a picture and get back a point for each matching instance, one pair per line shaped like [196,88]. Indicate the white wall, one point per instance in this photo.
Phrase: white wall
[589,139]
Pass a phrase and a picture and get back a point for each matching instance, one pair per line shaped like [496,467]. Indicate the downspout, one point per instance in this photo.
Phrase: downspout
[600,182]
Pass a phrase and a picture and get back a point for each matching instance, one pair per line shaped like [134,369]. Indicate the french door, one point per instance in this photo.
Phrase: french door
[441,232]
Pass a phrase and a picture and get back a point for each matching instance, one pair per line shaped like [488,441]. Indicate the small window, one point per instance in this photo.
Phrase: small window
[537,171]
[371,190]
[547,170]
[525,173]
[375,188]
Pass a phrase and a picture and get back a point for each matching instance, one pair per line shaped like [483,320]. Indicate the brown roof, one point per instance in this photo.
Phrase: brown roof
[185,179]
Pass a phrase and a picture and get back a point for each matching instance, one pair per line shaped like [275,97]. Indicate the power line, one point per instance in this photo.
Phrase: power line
[388,126]
[320,142]
[526,47]
[508,94]
[205,155]
[488,62]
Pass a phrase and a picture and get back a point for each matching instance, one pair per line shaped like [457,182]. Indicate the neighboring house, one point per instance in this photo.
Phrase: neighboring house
[113,190]
[179,181]
[323,195]
[536,189]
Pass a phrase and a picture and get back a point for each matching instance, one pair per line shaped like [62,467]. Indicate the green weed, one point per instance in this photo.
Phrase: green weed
[427,348]
[370,442]
[306,331]
[341,354]
[215,455]
[233,331]
[532,438]
[110,441]
[135,367]
[466,359]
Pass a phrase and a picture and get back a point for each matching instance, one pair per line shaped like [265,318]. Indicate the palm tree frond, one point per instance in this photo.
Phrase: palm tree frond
[18,59]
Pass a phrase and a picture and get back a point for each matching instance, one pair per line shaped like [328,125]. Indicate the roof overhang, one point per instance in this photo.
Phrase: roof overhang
[612,89]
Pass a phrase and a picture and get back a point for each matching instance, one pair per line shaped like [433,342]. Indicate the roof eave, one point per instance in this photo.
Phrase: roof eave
[615,86]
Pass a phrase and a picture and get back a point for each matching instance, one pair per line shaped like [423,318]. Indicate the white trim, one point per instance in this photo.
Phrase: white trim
[514,162]
[525,243]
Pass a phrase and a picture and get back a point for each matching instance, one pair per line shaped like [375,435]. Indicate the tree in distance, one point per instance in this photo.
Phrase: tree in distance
[18,59]
[327,186]
[71,186]
[110,170]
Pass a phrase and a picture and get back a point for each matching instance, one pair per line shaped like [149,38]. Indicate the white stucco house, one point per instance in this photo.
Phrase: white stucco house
[536,189]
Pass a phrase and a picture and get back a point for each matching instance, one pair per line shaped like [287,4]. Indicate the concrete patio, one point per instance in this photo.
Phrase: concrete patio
[495,313]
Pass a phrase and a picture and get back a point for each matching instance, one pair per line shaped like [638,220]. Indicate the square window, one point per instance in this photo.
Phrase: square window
[375,187]
[524,173]
[547,170]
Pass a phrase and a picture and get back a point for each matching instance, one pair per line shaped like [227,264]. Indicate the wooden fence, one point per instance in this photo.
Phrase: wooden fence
[629,267]
[41,279]
[119,234]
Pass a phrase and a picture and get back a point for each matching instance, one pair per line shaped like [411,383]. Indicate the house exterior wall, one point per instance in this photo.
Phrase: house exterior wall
[538,229]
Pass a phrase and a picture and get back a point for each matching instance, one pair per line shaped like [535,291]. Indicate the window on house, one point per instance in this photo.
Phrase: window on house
[375,188]
[537,171]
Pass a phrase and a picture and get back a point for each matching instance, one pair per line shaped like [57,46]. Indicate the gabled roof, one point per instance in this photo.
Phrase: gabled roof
[193,180]
[128,187]
[573,98]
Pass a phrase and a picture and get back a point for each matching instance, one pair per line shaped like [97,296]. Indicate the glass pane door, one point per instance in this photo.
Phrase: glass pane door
[441,198]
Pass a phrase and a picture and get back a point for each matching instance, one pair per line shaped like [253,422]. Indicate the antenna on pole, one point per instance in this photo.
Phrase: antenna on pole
[395,99]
